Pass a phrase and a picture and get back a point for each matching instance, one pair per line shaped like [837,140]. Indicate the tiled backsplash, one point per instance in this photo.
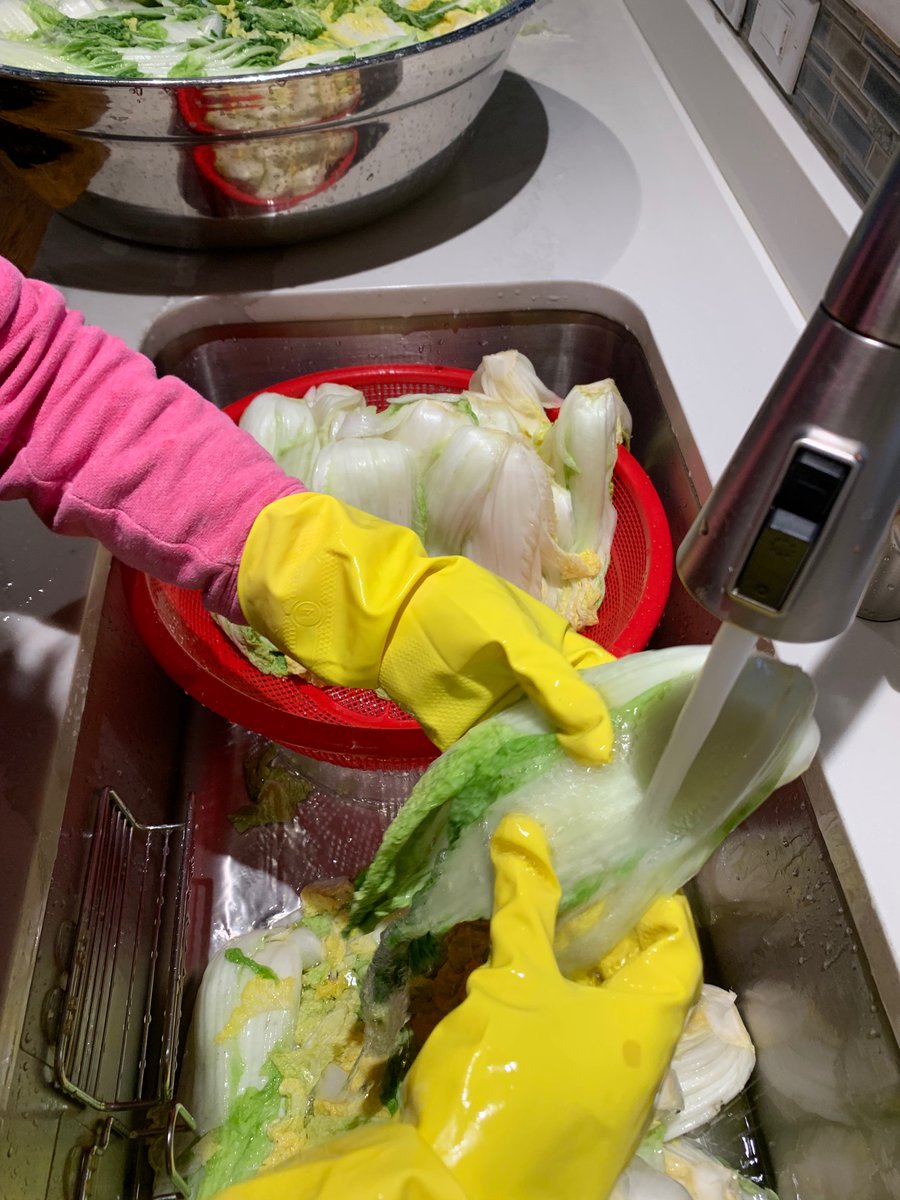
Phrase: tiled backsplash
[848,93]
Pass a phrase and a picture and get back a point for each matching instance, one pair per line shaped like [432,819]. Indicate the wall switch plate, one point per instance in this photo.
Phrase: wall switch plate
[732,10]
[779,35]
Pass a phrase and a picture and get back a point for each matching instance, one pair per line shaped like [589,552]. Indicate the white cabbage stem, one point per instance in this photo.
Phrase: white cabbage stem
[705,1178]
[713,1060]
[373,474]
[641,1182]
[510,376]
[242,1014]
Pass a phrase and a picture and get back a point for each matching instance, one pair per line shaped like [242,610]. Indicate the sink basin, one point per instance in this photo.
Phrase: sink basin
[819,1119]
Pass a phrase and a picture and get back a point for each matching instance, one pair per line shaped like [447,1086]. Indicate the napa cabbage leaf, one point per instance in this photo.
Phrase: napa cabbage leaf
[434,863]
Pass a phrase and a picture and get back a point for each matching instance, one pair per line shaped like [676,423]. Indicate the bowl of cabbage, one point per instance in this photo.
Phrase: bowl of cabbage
[186,123]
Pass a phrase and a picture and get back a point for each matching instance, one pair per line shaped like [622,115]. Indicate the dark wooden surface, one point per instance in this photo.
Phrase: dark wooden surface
[23,221]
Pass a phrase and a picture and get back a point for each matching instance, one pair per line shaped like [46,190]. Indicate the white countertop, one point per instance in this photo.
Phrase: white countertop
[627,198]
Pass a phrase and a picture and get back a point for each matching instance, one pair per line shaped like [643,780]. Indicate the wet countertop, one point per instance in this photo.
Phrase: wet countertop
[588,172]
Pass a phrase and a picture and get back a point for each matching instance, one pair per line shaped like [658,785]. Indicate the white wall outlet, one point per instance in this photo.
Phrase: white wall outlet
[732,10]
[779,35]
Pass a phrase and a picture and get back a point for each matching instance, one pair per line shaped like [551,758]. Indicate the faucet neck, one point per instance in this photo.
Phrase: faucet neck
[864,292]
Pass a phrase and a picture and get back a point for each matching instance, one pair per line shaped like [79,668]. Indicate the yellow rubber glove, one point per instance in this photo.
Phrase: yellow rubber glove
[374,1162]
[536,1086]
[358,601]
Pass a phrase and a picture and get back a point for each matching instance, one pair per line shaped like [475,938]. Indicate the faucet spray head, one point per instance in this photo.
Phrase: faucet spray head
[787,541]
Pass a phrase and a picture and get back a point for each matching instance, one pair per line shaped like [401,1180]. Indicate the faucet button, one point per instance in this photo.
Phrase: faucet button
[811,485]
[792,527]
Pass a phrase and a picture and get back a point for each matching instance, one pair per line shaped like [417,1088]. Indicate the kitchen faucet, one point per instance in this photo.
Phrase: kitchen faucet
[787,542]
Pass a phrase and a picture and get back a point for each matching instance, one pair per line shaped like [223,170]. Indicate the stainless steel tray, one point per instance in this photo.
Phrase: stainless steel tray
[774,905]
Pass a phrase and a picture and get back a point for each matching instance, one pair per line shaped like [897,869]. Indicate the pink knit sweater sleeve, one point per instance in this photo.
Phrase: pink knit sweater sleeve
[102,447]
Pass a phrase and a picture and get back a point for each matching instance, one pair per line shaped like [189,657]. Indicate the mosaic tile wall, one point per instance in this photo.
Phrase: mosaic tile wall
[848,93]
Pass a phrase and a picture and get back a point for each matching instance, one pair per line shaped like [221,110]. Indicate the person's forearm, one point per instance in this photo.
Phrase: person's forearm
[101,447]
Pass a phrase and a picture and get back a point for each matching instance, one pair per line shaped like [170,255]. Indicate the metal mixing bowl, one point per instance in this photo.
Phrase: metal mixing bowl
[256,159]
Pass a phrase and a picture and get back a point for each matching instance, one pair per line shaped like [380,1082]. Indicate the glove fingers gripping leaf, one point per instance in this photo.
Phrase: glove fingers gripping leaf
[359,602]
[535,1081]
[578,1064]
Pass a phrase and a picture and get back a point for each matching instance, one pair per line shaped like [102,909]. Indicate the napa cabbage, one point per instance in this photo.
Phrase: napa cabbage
[273,1061]
[257,649]
[483,473]
[434,861]
[158,39]
[376,475]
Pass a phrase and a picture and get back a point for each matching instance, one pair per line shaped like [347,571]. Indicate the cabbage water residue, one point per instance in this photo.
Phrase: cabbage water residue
[729,653]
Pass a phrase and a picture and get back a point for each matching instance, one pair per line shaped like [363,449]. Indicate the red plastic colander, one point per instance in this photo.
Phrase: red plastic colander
[358,728]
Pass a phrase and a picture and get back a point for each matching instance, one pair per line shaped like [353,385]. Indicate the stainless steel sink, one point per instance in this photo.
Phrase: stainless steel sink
[821,1118]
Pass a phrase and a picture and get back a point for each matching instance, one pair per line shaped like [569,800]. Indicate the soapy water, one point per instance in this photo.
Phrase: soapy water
[728,654]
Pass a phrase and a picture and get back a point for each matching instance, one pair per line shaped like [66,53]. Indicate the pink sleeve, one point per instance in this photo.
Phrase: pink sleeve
[101,447]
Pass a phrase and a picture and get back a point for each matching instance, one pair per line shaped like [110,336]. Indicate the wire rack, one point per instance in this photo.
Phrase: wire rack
[117,1042]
